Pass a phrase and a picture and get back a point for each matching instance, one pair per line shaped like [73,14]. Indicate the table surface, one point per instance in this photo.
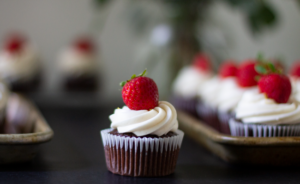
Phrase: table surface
[75,155]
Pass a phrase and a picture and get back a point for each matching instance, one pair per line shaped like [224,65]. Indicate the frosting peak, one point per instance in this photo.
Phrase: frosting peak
[256,108]
[157,121]
[20,66]
[188,81]
[75,62]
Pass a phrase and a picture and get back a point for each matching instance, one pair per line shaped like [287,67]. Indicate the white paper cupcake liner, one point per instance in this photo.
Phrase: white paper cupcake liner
[208,114]
[135,156]
[224,118]
[255,130]
[185,104]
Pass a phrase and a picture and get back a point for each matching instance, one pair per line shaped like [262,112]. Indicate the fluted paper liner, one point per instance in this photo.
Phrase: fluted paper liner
[224,118]
[141,157]
[256,130]
[208,114]
[185,104]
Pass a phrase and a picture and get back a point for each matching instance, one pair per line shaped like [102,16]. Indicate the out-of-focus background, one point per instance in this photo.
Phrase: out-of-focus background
[161,36]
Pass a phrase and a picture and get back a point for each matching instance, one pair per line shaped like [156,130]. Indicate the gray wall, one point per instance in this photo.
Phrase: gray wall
[52,24]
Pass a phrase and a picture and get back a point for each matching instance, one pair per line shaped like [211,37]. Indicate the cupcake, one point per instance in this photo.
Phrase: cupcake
[234,82]
[207,105]
[269,110]
[78,66]
[19,64]
[144,140]
[188,81]
[19,116]
[4,95]
[295,80]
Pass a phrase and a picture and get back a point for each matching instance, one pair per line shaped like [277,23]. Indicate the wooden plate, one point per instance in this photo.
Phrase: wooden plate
[242,150]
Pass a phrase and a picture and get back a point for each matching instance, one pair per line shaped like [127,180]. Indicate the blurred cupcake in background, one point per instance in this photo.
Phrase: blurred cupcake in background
[207,104]
[19,117]
[269,110]
[234,82]
[78,65]
[187,82]
[19,63]
[4,96]
[295,80]
[221,94]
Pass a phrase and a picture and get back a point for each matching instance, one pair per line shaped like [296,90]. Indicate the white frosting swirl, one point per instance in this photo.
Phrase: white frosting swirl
[230,94]
[256,108]
[74,62]
[209,91]
[158,121]
[188,81]
[19,66]
[295,89]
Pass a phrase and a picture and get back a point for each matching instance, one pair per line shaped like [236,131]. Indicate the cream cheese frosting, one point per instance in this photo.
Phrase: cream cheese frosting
[74,62]
[188,81]
[256,108]
[158,121]
[295,88]
[230,94]
[19,66]
[209,91]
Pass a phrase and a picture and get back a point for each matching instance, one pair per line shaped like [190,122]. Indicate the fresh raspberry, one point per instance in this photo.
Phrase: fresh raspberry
[14,43]
[84,45]
[228,69]
[140,93]
[276,86]
[295,70]
[202,62]
[247,73]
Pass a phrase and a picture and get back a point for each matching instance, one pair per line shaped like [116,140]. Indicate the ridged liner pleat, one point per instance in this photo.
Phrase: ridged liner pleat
[208,114]
[141,157]
[255,130]
[224,118]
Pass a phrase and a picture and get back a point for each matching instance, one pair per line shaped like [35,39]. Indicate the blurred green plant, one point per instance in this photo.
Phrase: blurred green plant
[259,13]
[186,18]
